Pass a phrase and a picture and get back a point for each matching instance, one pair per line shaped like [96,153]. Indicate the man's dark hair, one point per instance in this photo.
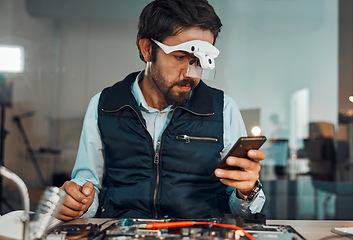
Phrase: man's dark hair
[164,18]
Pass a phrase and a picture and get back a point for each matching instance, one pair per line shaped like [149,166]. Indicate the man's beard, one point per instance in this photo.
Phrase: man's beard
[172,98]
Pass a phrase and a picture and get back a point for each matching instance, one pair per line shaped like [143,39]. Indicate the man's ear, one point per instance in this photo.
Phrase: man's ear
[146,49]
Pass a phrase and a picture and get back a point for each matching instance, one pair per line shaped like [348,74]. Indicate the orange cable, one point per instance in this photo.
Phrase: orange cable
[154,225]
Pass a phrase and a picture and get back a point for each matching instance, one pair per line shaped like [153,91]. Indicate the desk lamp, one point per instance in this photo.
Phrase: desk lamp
[36,227]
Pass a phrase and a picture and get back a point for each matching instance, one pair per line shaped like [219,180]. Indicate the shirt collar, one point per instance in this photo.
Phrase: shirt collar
[120,95]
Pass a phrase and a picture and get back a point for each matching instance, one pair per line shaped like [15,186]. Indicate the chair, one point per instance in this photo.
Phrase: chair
[320,149]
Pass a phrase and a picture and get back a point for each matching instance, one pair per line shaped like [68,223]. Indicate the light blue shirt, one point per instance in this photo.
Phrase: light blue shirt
[89,164]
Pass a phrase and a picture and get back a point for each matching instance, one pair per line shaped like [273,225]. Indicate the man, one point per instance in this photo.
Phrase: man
[150,143]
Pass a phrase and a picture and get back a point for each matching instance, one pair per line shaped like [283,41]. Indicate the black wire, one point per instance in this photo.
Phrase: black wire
[101,225]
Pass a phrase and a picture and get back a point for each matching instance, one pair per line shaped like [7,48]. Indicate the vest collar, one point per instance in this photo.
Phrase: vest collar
[119,95]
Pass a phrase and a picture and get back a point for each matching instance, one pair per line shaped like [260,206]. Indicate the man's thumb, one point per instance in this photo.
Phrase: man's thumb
[87,188]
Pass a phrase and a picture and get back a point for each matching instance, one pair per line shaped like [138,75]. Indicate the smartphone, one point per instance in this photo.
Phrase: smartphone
[240,149]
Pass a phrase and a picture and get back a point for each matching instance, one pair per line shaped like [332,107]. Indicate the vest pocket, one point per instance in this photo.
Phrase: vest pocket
[188,138]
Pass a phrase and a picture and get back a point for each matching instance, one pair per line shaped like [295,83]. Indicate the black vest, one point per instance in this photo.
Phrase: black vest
[174,182]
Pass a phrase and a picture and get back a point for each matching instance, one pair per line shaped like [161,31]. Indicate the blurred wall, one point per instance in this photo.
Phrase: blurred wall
[269,50]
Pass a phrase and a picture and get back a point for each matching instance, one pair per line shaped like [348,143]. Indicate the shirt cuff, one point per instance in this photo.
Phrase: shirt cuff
[241,207]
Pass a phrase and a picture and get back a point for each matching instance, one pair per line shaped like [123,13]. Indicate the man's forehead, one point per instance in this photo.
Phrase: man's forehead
[189,34]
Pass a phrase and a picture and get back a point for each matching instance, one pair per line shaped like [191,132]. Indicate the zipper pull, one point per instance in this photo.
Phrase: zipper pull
[184,137]
[156,158]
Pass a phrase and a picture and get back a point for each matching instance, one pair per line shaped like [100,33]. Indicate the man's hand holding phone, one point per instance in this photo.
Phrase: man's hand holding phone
[241,167]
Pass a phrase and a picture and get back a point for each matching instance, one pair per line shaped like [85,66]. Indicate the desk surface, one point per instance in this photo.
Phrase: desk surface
[315,229]
[310,229]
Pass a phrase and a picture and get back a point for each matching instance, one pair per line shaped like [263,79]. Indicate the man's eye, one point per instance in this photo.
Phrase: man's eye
[179,57]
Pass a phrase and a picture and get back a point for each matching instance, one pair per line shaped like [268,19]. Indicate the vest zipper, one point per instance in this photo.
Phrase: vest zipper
[156,161]
[188,138]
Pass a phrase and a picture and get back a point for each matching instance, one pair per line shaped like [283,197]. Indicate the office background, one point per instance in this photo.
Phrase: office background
[287,63]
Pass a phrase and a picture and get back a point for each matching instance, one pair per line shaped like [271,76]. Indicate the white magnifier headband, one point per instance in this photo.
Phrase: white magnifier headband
[203,50]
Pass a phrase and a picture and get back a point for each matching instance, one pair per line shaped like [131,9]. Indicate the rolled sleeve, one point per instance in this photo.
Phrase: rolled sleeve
[89,161]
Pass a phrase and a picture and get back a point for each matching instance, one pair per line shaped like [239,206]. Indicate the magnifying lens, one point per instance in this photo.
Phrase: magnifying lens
[199,72]
[204,51]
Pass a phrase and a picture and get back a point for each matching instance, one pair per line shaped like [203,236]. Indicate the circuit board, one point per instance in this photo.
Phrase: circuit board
[171,229]
[213,229]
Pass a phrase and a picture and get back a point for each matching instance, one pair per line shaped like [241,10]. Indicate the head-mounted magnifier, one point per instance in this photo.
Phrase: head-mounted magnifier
[204,51]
